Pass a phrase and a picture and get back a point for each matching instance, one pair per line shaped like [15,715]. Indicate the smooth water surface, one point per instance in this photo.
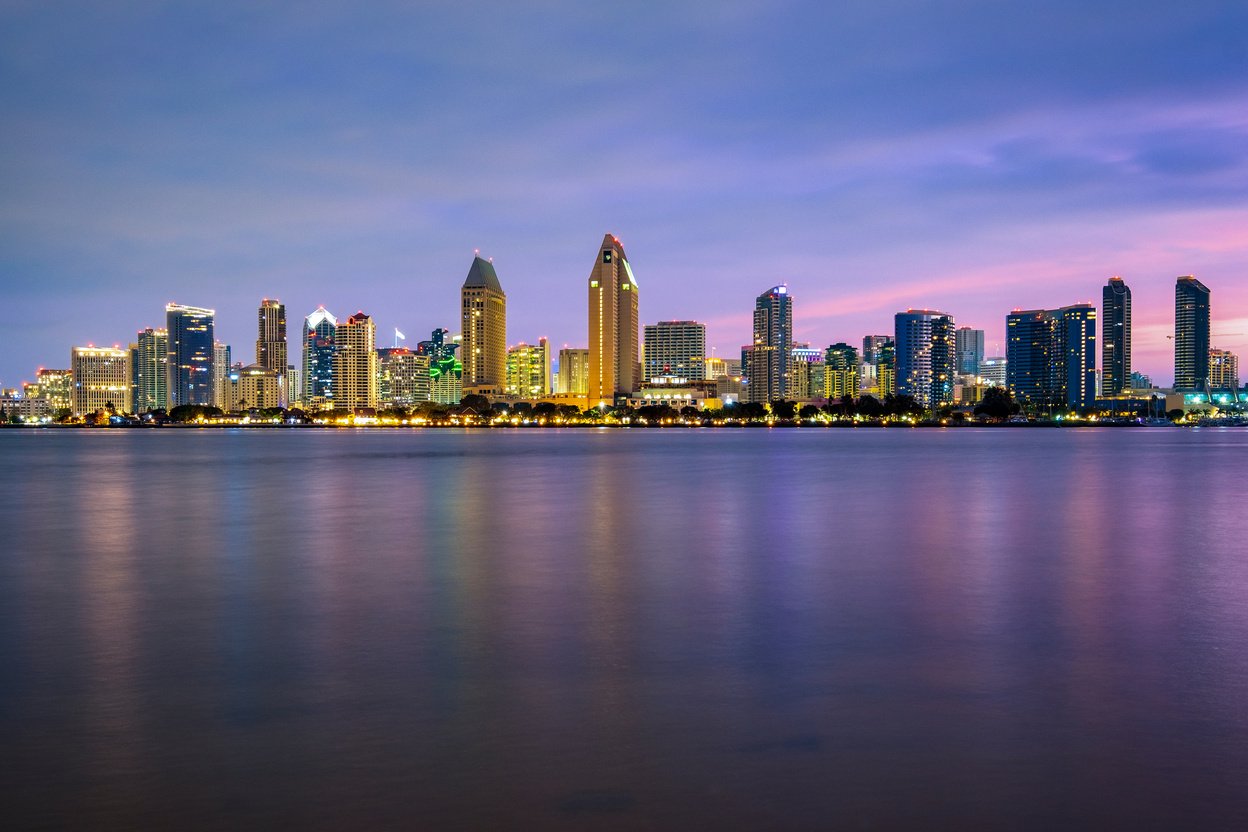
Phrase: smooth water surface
[623,629]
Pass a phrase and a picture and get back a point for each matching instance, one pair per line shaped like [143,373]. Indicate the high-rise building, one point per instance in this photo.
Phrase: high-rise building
[1191,334]
[806,373]
[402,377]
[926,348]
[101,379]
[222,365]
[614,354]
[1223,370]
[57,386]
[992,371]
[840,372]
[674,349]
[528,370]
[445,370]
[189,369]
[871,345]
[319,330]
[484,306]
[271,336]
[970,348]
[886,368]
[573,371]
[355,363]
[1115,337]
[766,362]
[149,377]
[1051,355]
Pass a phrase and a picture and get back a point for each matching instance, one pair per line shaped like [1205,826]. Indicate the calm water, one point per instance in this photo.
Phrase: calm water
[624,629]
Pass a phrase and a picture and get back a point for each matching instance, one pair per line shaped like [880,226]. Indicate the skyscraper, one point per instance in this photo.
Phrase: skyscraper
[189,369]
[675,348]
[484,306]
[1115,337]
[614,356]
[840,372]
[970,347]
[926,348]
[149,360]
[355,363]
[528,370]
[319,330]
[1191,334]
[445,370]
[271,336]
[573,371]
[221,367]
[101,379]
[402,376]
[871,345]
[766,362]
[1051,355]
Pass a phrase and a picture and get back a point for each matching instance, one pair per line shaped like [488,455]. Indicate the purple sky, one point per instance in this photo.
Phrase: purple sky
[971,157]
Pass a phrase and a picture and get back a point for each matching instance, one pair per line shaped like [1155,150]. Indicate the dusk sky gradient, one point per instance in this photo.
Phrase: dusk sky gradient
[971,157]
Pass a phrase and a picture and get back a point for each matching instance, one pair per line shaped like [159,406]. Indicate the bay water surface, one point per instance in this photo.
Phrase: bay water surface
[624,629]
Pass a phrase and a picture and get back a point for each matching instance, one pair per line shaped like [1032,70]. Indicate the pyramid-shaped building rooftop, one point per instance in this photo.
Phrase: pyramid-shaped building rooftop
[482,274]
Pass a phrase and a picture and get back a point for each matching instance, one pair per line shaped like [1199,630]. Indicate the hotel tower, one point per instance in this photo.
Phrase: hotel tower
[614,356]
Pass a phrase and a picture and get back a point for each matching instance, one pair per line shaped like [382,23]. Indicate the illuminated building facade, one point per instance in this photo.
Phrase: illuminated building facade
[101,379]
[674,348]
[319,330]
[528,370]
[767,362]
[992,371]
[1223,370]
[445,370]
[805,373]
[255,387]
[355,363]
[149,376]
[871,345]
[222,364]
[573,371]
[57,386]
[402,377]
[189,367]
[926,350]
[484,320]
[886,369]
[840,372]
[614,349]
[271,345]
[1115,337]
[1191,334]
[1051,355]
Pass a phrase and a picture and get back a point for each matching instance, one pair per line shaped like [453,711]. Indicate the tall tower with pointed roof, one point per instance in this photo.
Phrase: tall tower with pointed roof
[484,307]
[614,354]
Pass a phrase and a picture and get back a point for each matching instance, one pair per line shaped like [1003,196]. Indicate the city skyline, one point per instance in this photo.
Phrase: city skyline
[996,165]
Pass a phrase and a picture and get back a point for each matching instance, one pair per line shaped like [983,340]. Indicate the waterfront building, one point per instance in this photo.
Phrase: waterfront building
[969,344]
[1223,370]
[767,361]
[149,377]
[101,379]
[925,354]
[992,371]
[484,320]
[841,372]
[1051,355]
[319,331]
[445,370]
[1139,381]
[189,366]
[221,367]
[674,348]
[805,373]
[355,363]
[57,386]
[886,369]
[255,387]
[614,354]
[573,371]
[1115,337]
[25,408]
[528,370]
[1191,334]
[294,386]
[271,347]
[402,377]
